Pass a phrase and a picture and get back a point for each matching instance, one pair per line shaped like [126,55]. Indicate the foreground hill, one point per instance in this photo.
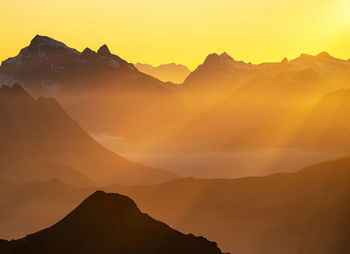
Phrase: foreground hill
[39,140]
[302,212]
[109,223]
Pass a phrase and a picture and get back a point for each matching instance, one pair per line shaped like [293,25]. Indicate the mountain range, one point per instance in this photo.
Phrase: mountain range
[222,71]
[242,105]
[105,93]
[109,223]
[172,72]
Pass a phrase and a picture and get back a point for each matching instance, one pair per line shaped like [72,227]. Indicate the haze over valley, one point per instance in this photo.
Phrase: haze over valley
[167,127]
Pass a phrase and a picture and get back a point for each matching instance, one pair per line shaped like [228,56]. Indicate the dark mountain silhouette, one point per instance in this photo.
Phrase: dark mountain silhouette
[39,140]
[109,223]
[172,72]
[305,212]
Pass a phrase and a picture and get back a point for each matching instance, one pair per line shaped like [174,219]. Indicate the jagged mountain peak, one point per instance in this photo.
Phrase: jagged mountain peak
[215,58]
[325,56]
[88,51]
[103,51]
[285,60]
[226,56]
[40,40]
[223,58]
[88,54]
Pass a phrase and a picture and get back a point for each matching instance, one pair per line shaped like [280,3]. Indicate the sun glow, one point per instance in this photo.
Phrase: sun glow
[345,13]
[182,31]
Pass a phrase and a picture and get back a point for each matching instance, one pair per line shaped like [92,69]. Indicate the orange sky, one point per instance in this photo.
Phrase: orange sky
[182,31]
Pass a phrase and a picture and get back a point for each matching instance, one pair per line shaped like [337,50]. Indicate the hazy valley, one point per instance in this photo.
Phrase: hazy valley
[222,152]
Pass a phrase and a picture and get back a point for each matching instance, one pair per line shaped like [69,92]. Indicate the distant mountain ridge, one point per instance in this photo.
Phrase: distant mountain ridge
[223,71]
[109,223]
[172,72]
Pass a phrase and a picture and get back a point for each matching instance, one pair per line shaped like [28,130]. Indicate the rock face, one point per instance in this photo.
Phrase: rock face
[39,140]
[109,223]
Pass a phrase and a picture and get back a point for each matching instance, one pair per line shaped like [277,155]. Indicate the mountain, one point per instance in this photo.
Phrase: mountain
[219,71]
[47,64]
[109,223]
[39,140]
[327,126]
[302,74]
[105,93]
[175,73]
[244,106]
[302,212]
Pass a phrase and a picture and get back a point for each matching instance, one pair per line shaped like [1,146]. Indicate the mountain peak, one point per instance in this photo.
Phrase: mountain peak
[39,41]
[215,58]
[88,54]
[110,223]
[103,51]
[226,56]
[324,55]
[285,60]
[115,202]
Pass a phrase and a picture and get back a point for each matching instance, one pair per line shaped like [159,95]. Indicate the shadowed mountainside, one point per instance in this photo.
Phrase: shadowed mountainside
[39,140]
[109,223]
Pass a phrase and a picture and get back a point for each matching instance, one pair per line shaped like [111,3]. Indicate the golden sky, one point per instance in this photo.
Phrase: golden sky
[182,31]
